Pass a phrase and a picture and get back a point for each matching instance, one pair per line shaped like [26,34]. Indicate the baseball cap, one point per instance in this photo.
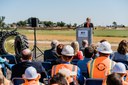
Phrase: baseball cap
[67,73]
[119,68]
[105,47]
[30,73]
[67,51]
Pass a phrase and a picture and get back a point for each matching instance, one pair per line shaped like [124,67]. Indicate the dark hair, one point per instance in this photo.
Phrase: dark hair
[123,47]
[95,50]
[87,18]
[59,49]
[26,56]
[114,79]
[88,52]
[58,79]
[103,40]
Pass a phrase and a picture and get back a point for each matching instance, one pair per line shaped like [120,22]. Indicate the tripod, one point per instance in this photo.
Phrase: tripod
[35,46]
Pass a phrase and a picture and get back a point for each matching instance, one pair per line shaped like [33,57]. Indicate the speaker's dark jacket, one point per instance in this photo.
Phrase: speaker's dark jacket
[90,25]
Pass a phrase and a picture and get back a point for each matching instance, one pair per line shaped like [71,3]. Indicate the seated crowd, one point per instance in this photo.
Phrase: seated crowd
[71,65]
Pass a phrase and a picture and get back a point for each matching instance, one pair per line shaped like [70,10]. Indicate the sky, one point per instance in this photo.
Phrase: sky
[101,12]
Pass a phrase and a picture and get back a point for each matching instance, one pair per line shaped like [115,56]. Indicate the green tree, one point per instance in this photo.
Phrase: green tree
[22,23]
[69,25]
[115,24]
[48,23]
[75,25]
[2,21]
[60,24]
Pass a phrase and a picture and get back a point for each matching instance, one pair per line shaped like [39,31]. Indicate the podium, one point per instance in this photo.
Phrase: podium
[83,33]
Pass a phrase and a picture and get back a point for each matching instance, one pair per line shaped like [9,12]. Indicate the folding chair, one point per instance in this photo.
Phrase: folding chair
[91,81]
[47,66]
[17,81]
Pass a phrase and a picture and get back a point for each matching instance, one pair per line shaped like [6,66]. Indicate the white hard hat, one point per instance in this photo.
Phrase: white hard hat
[119,68]
[30,73]
[105,47]
[66,72]
[67,51]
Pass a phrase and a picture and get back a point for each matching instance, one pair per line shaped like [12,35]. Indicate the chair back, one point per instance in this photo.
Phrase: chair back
[47,65]
[91,81]
[18,81]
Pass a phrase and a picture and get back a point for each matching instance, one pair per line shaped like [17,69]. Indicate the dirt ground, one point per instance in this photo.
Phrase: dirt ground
[63,38]
[115,40]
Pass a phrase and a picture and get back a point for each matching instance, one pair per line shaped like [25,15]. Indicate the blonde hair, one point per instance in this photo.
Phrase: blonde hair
[75,46]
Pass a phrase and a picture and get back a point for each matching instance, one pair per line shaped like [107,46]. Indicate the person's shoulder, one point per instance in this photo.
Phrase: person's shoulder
[92,60]
[47,50]
[80,62]
[115,52]
[36,63]
[17,65]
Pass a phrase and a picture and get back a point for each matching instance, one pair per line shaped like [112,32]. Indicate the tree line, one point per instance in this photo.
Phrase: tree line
[24,23]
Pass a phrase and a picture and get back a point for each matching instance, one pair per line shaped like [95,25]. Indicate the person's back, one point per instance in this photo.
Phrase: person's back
[102,65]
[84,45]
[50,55]
[122,52]
[60,66]
[120,57]
[19,69]
[77,53]
[82,64]
[67,56]
[99,67]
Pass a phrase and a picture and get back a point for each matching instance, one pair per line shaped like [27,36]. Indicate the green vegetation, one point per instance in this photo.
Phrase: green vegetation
[50,32]
[100,33]
[111,33]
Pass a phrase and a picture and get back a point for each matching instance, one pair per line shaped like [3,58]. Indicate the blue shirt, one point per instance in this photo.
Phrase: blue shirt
[82,64]
[120,57]
[79,74]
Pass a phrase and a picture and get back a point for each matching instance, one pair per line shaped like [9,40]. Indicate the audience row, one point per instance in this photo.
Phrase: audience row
[91,61]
